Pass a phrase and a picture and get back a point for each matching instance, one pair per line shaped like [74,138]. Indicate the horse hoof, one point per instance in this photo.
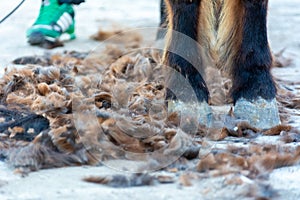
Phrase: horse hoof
[259,113]
[199,111]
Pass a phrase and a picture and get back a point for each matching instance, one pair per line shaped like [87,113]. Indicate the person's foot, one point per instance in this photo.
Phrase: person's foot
[54,24]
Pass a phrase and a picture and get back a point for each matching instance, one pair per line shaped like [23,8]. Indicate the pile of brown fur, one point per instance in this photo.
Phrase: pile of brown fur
[109,105]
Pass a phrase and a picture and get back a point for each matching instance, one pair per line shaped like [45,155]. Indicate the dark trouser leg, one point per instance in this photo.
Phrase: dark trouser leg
[77,2]
[253,88]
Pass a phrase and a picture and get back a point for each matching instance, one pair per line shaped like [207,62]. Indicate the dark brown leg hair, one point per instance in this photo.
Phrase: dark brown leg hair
[182,52]
[251,65]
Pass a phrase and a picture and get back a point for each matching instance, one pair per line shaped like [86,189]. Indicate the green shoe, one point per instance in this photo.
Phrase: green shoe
[54,24]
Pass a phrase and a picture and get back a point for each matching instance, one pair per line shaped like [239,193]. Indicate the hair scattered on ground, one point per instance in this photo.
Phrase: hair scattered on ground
[45,104]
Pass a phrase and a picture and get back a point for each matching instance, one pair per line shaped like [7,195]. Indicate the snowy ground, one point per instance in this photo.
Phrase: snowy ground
[284,29]
[90,16]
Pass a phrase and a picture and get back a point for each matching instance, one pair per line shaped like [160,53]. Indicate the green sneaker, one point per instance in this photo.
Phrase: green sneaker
[54,24]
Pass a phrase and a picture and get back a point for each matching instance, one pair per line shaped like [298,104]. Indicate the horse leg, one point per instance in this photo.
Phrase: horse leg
[182,57]
[253,91]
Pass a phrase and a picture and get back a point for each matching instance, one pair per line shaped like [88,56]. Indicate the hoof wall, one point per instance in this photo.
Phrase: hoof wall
[260,113]
[199,111]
